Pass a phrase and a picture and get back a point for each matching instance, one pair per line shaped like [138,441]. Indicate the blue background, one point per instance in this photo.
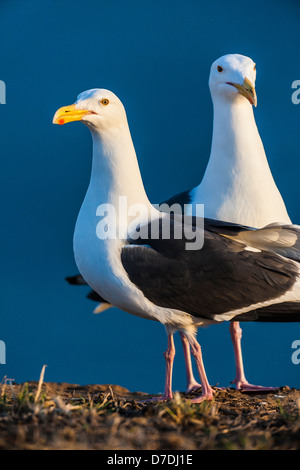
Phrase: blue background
[155,55]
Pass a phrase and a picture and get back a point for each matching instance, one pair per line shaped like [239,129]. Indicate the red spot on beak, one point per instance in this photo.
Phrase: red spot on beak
[61,121]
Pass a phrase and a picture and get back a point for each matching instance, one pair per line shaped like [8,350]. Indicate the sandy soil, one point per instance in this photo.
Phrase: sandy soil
[68,416]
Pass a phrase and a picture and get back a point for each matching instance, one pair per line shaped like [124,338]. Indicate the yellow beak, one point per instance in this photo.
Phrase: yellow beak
[69,114]
[247,90]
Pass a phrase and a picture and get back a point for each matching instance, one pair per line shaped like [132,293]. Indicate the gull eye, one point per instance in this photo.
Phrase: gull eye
[105,101]
[219,68]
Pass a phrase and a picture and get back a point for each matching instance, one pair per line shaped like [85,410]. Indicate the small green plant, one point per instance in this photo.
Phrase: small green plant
[182,411]
[287,417]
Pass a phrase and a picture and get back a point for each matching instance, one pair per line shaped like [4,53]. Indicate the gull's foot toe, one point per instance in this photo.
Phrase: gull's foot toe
[157,399]
[244,386]
[205,396]
[192,387]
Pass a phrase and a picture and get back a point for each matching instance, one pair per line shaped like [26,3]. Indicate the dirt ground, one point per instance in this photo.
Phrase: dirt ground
[68,416]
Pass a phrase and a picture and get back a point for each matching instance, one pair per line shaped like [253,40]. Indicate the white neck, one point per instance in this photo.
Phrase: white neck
[115,170]
[238,185]
[236,137]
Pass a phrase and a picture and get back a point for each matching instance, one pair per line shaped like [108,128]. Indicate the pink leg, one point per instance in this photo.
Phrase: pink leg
[240,380]
[207,391]
[169,357]
[192,384]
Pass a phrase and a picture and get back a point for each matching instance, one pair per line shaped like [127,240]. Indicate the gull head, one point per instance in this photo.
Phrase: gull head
[99,109]
[232,79]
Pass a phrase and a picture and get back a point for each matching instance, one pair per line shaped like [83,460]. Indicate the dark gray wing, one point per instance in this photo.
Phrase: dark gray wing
[181,199]
[220,277]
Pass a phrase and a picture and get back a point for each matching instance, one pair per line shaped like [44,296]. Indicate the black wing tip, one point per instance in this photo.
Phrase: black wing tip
[76,280]
[92,295]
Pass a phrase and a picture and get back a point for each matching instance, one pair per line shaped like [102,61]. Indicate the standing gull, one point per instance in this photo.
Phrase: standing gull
[238,185]
[237,271]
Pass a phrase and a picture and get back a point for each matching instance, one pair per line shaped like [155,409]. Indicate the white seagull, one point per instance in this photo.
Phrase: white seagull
[238,185]
[239,272]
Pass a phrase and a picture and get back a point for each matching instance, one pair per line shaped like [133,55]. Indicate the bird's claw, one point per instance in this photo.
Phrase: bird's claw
[245,386]
[193,387]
